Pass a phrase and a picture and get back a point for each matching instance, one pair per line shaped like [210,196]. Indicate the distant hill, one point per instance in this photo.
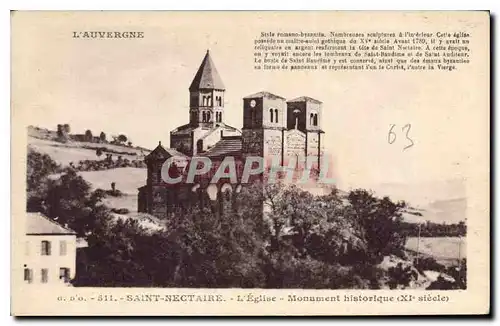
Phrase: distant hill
[44,141]
[439,211]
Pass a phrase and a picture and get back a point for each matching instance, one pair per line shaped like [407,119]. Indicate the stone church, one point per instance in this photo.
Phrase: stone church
[273,128]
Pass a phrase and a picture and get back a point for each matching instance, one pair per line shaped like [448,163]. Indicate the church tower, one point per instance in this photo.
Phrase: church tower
[264,122]
[206,113]
[206,100]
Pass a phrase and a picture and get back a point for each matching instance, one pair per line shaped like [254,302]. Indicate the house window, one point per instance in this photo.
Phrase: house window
[271,114]
[64,274]
[276,115]
[311,119]
[45,248]
[28,275]
[63,247]
[315,119]
[45,275]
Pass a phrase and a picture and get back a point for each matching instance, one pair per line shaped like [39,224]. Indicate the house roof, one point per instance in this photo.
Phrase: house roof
[224,147]
[37,223]
[207,76]
[305,99]
[264,94]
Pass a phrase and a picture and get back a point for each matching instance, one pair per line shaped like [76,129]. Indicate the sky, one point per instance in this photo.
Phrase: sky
[139,87]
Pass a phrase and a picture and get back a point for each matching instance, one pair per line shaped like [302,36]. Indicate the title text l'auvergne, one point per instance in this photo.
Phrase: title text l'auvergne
[107,34]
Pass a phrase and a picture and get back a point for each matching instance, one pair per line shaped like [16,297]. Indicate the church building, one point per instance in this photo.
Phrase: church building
[273,128]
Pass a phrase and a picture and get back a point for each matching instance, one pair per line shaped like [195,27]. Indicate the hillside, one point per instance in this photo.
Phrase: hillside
[43,141]
[126,179]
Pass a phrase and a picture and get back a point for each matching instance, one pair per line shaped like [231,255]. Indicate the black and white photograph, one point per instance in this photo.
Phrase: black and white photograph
[242,150]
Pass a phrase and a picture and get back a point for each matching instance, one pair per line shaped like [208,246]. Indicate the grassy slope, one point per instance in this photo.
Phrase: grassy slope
[443,249]
[127,179]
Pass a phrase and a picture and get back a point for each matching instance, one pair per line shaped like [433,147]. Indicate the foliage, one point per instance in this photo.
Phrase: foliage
[122,138]
[428,264]
[261,236]
[39,167]
[378,220]
[102,136]
[88,135]
[70,202]
[401,276]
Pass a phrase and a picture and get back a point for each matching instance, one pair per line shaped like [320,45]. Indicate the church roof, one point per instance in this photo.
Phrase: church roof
[207,76]
[38,224]
[264,94]
[162,152]
[224,147]
[305,99]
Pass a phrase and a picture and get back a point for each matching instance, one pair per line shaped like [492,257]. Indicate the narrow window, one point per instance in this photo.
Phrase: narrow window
[271,114]
[252,117]
[276,115]
[45,275]
[63,248]
[204,117]
[45,248]
[311,119]
[28,275]
[316,119]
[64,274]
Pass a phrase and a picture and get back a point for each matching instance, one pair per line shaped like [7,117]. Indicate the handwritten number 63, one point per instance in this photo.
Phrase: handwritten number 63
[391,136]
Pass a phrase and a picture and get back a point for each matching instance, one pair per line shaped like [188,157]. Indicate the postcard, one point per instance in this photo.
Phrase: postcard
[257,163]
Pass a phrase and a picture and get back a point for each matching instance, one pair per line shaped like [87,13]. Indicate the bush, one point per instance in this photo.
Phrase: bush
[428,264]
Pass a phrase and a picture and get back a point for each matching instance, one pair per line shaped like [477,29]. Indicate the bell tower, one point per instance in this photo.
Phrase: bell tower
[206,95]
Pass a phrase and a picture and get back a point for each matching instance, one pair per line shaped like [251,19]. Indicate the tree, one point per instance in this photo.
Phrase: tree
[102,136]
[129,144]
[39,167]
[62,132]
[88,135]
[66,128]
[122,138]
[378,221]
[98,152]
[69,201]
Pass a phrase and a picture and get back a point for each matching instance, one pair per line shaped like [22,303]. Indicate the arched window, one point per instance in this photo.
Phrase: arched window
[271,114]
[311,119]
[315,119]
[208,117]
[204,117]
[276,115]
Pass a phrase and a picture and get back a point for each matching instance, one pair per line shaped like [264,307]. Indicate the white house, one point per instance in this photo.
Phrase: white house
[50,251]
